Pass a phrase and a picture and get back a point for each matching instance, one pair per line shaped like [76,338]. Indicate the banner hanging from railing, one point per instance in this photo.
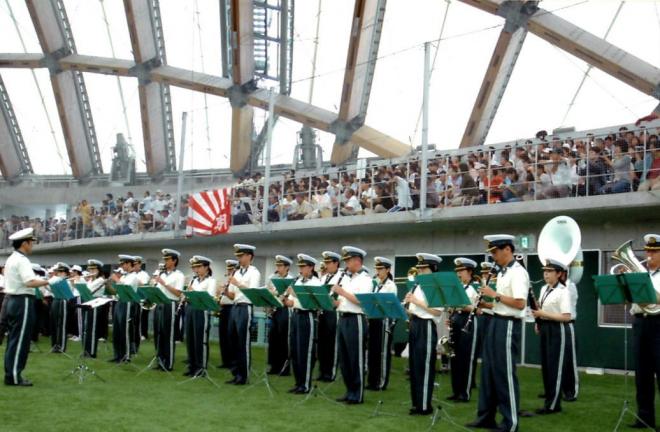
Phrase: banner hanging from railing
[209,213]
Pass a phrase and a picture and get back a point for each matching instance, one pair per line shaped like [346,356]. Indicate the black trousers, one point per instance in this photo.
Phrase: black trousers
[103,313]
[553,345]
[465,350]
[197,327]
[484,322]
[165,317]
[3,323]
[73,317]
[278,341]
[379,353]
[144,323]
[41,318]
[58,318]
[122,329]
[19,319]
[499,387]
[178,324]
[90,337]
[303,355]
[227,357]
[646,343]
[351,341]
[570,379]
[423,339]
[239,333]
[136,313]
[327,345]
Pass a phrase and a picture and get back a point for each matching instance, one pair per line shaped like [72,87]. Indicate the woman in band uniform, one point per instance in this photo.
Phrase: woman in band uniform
[198,322]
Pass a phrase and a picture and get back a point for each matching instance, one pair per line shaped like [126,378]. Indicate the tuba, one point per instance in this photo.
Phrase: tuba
[625,255]
[560,239]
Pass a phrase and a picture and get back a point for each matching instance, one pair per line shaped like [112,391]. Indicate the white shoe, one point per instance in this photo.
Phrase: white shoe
[101,339]
[143,338]
[74,338]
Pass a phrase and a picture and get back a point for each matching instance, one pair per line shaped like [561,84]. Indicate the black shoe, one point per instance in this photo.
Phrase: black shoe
[461,400]
[188,373]
[451,398]
[231,381]
[541,395]
[545,411]
[372,388]
[523,413]
[569,398]
[113,360]
[639,425]
[353,402]
[21,383]
[240,382]
[301,390]
[293,390]
[342,399]
[481,425]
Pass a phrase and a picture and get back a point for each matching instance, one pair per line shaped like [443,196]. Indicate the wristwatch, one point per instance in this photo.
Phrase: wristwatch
[498,299]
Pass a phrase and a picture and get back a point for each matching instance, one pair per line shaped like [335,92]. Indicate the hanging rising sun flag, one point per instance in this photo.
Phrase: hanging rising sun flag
[209,213]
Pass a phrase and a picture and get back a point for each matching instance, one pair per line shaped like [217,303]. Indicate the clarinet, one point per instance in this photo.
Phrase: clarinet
[491,273]
[531,297]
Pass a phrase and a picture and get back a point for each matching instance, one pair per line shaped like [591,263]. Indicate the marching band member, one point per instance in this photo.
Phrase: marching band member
[303,323]
[142,330]
[423,339]
[41,306]
[464,339]
[247,276]
[74,315]
[499,383]
[554,310]
[327,325]
[646,333]
[352,324]
[570,379]
[278,336]
[18,306]
[171,282]
[227,356]
[58,311]
[379,342]
[198,321]
[122,322]
[91,316]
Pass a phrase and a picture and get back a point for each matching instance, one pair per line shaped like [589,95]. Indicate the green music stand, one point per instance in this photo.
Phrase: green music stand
[85,294]
[443,289]
[314,297]
[382,305]
[262,297]
[201,300]
[620,289]
[281,284]
[126,293]
[61,290]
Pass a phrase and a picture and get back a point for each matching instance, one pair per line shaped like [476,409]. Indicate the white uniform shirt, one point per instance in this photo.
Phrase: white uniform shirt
[130,279]
[573,296]
[331,279]
[471,292]
[143,277]
[96,286]
[555,300]
[18,272]
[359,283]
[276,275]
[513,282]
[388,287]
[174,279]
[248,278]
[313,281]
[208,284]
[418,311]
[651,309]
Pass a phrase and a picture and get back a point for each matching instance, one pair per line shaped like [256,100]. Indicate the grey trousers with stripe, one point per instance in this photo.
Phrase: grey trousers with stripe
[553,343]
[351,338]
[303,352]
[423,339]
[499,387]
[19,318]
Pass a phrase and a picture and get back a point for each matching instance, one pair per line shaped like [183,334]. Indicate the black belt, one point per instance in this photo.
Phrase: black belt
[20,295]
[647,315]
[226,305]
[571,322]
[302,311]
[349,314]
[506,317]
[415,317]
[242,304]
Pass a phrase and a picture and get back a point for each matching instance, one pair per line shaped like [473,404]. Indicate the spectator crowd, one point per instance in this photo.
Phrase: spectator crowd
[545,168]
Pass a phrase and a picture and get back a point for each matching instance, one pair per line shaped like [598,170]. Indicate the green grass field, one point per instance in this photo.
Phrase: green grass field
[157,401]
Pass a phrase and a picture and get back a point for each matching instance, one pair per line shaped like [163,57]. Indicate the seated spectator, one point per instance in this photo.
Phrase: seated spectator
[621,165]
[352,206]
[652,181]
[300,208]
[592,176]
[513,189]
[404,200]
[241,209]
[558,181]
[382,202]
